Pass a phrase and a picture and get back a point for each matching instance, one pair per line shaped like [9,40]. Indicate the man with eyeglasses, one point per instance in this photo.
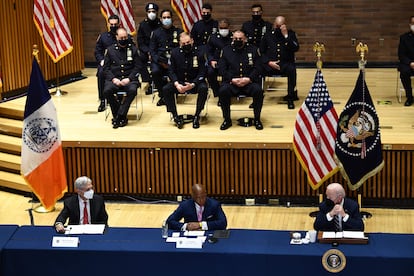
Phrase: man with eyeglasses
[256,28]
[162,41]
[205,27]
[85,207]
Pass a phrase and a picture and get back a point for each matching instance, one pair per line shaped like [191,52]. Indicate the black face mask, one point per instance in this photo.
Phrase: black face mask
[187,48]
[256,17]
[206,17]
[329,203]
[123,43]
[238,44]
[113,29]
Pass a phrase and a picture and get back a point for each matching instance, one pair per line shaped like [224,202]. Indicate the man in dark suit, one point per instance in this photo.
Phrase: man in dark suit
[338,213]
[199,213]
[83,208]
[406,57]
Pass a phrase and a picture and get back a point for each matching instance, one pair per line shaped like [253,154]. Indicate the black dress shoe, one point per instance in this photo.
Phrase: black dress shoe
[251,105]
[149,90]
[161,102]
[115,124]
[218,103]
[408,102]
[101,106]
[288,97]
[225,125]
[258,124]
[290,104]
[196,122]
[178,122]
[123,122]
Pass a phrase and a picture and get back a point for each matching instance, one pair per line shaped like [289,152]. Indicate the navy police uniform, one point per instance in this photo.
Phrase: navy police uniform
[255,30]
[161,44]
[215,44]
[187,68]
[102,43]
[121,63]
[276,47]
[406,56]
[146,27]
[202,30]
[238,63]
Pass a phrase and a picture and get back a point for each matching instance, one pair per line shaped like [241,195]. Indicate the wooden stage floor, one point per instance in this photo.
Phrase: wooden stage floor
[80,121]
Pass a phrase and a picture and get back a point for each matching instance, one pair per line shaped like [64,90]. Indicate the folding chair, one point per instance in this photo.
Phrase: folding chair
[121,94]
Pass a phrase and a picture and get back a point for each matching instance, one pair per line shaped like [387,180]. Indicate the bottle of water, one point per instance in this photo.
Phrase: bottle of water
[164,229]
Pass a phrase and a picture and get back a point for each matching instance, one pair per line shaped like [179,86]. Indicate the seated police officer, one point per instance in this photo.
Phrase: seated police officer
[187,74]
[239,66]
[121,68]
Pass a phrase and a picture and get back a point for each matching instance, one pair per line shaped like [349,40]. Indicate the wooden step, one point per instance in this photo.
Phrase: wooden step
[12,111]
[10,144]
[10,162]
[11,127]
[13,181]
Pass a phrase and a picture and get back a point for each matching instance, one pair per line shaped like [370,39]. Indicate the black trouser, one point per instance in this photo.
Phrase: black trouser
[289,70]
[101,83]
[212,74]
[170,91]
[227,91]
[405,75]
[158,75]
[120,107]
[145,74]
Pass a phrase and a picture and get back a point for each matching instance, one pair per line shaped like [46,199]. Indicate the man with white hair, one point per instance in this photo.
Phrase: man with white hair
[83,208]
[338,213]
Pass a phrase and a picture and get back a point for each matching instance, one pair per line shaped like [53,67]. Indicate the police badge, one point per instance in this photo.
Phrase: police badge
[175,37]
[195,62]
[250,57]
[129,54]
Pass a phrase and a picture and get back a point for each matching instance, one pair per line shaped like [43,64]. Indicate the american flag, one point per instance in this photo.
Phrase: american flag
[123,9]
[315,132]
[109,7]
[50,20]
[189,12]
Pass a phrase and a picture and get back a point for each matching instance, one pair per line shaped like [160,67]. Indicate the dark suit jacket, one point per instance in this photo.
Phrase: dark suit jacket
[213,214]
[71,210]
[354,221]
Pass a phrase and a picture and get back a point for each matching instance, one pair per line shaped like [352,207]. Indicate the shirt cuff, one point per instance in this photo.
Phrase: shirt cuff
[204,225]
[328,217]
[184,227]
[345,218]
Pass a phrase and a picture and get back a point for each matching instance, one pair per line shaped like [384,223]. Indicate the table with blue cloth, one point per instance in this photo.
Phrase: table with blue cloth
[142,251]
[6,231]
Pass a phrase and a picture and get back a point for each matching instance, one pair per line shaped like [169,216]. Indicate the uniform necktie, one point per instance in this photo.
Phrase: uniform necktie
[200,214]
[337,223]
[85,213]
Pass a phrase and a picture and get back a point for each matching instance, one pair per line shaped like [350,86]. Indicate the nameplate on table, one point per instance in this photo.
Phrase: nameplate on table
[85,229]
[194,243]
[197,233]
[65,241]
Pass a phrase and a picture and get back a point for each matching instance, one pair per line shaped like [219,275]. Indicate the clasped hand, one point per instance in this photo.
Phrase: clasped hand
[191,226]
[183,88]
[240,82]
[337,210]
[119,82]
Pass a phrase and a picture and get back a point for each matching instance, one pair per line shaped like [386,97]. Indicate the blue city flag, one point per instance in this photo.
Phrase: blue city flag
[358,150]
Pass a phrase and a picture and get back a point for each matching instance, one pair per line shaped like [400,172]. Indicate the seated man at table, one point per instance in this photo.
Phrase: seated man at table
[338,213]
[199,213]
[83,208]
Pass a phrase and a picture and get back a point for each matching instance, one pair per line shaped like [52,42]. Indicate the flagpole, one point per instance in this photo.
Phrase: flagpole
[361,49]
[58,91]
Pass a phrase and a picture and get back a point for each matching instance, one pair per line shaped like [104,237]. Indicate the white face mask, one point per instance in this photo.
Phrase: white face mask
[412,28]
[152,15]
[88,194]
[166,21]
[224,32]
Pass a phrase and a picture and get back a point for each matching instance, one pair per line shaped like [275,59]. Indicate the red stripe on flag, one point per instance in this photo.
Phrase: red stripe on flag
[189,12]
[108,8]
[126,16]
[50,20]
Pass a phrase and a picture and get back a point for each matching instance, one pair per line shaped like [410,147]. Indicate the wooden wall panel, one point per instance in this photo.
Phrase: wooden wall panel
[227,173]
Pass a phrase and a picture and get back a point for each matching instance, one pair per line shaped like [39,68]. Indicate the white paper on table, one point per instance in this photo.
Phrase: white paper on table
[332,235]
[85,229]
[193,233]
[354,234]
[65,241]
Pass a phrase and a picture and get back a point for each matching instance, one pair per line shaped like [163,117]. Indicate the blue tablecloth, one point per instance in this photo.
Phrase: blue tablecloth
[141,251]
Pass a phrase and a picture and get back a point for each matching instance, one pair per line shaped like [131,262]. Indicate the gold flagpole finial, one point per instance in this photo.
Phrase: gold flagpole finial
[318,48]
[361,49]
[35,52]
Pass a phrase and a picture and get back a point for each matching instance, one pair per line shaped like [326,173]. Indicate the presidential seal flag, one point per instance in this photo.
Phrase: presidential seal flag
[358,140]
[315,132]
[42,156]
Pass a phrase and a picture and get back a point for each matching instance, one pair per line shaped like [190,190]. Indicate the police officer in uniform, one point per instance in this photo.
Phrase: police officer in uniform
[162,41]
[121,68]
[102,43]
[187,73]
[257,27]
[239,66]
[203,28]
[278,48]
[146,27]
[215,44]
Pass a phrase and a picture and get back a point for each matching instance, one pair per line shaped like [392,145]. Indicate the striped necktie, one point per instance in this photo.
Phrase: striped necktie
[337,223]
